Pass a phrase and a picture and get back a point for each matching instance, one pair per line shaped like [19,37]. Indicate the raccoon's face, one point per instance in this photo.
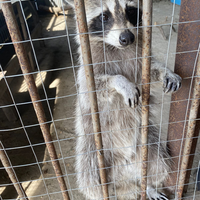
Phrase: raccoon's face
[115,22]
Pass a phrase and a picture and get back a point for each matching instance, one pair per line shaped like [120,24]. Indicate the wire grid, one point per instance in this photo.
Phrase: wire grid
[52,121]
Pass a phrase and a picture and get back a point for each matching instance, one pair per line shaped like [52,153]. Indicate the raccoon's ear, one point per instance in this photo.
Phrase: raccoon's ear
[70,2]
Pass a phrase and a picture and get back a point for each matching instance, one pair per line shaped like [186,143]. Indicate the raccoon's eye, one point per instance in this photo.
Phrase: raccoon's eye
[104,18]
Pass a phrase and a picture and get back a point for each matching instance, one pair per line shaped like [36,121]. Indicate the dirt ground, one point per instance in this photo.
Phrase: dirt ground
[60,87]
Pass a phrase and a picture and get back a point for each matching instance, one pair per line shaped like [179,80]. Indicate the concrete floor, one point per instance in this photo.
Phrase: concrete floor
[60,83]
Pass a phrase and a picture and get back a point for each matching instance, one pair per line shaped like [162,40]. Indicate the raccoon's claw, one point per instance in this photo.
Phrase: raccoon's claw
[134,100]
[154,195]
[171,82]
[162,196]
[159,196]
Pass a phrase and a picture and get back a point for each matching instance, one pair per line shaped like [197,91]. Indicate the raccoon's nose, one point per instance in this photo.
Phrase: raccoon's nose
[126,38]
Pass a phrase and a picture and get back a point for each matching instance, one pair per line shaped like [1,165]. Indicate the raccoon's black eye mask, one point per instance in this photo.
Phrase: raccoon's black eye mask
[132,15]
[95,25]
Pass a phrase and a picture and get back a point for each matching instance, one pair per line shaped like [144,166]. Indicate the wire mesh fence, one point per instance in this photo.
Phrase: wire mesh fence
[47,145]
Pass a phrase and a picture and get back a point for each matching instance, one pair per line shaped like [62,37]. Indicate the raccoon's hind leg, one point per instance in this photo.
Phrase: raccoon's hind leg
[154,195]
[86,166]
[159,165]
[156,178]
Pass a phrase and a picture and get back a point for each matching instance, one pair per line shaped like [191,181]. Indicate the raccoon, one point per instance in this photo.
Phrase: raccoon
[116,47]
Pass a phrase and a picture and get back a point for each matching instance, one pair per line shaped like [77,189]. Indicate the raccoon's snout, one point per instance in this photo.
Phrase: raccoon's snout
[126,38]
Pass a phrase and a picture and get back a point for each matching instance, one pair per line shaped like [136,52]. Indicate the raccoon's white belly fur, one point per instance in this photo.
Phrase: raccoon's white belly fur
[120,126]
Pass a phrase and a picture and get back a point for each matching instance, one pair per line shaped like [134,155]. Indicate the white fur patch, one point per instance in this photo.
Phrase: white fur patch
[92,14]
[111,5]
[112,37]
[132,3]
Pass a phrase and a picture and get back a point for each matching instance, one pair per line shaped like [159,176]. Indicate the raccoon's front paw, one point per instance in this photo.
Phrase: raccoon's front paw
[131,95]
[171,82]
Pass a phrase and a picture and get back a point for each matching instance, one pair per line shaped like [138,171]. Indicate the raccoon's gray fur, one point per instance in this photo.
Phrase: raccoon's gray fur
[118,91]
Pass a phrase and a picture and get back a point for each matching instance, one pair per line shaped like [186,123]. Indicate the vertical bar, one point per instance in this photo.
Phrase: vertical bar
[26,69]
[188,40]
[11,173]
[21,19]
[146,64]
[87,60]
[190,131]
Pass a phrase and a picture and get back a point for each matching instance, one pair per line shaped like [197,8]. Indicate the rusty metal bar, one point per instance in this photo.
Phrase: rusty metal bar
[25,67]
[87,60]
[21,19]
[25,34]
[190,132]
[188,39]
[11,173]
[146,64]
